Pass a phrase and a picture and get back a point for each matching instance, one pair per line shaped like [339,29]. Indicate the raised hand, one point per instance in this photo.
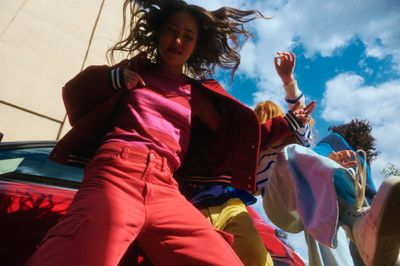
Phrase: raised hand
[284,65]
[303,114]
[132,79]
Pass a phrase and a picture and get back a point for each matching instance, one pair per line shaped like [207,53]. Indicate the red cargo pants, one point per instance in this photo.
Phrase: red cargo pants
[128,193]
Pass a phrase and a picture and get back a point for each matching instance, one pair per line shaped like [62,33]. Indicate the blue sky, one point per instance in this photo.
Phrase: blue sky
[348,60]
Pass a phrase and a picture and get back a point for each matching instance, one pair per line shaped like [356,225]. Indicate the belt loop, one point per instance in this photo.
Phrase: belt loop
[125,152]
[163,162]
[151,157]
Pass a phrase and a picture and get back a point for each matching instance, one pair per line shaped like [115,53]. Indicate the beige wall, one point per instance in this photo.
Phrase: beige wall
[43,44]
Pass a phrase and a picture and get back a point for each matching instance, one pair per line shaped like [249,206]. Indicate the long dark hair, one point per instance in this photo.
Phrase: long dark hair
[220,36]
[358,134]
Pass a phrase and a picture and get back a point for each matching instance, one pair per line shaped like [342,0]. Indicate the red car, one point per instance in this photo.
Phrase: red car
[35,192]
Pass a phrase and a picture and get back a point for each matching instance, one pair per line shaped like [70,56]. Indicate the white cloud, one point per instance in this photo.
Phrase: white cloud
[321,27]
[346,97]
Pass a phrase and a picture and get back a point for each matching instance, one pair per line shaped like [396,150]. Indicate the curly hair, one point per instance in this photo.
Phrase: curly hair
[220,36]
[358,134]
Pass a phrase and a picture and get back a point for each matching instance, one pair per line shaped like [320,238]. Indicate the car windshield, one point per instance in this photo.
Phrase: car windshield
[32,164]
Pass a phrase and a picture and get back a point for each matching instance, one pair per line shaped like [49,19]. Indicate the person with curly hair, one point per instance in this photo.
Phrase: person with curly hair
[358,134]
[319,193]
[136,122]
[306,191]
[352,136]
[341,146]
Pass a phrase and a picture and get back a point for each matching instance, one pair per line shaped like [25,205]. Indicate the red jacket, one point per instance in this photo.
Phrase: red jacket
[226,156]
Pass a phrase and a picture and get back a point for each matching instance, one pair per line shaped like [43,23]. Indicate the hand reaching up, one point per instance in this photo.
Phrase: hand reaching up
[284,65]
[303,114]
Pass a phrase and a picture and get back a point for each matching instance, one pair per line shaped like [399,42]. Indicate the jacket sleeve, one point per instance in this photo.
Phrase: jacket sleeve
[88,89]
[274,130]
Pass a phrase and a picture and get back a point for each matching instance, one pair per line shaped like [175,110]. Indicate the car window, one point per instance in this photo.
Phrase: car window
[35,162]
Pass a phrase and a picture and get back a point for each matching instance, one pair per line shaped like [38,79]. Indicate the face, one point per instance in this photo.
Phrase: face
[178,40]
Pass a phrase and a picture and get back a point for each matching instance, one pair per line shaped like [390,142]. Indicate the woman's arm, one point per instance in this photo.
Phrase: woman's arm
[285,63]
[88,89]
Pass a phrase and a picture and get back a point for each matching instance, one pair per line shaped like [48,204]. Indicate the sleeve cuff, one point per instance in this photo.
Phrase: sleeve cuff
[293,101]
[293,123]
[117,78]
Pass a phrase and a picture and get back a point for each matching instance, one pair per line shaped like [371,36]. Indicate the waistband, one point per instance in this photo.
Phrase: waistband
[139,153]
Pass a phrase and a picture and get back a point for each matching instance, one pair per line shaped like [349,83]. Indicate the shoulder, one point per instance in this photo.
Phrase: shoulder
[336,142]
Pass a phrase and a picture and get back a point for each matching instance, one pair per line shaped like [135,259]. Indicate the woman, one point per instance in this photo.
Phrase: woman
[132,123]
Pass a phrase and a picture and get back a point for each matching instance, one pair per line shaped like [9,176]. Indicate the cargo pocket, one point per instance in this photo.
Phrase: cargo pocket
[59,239]
[68,226]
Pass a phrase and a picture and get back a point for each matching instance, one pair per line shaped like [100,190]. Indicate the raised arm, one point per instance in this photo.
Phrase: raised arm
[285,63]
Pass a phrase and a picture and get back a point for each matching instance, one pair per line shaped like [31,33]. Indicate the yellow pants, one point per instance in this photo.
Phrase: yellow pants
[232,217]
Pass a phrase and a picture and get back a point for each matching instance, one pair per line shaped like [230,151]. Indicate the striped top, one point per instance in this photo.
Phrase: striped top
[267,157]
[156,116]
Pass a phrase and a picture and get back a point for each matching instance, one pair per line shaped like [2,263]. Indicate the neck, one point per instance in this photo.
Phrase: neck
[176,70]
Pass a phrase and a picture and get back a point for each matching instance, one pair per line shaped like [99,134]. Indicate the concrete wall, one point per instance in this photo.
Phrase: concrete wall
[43,44]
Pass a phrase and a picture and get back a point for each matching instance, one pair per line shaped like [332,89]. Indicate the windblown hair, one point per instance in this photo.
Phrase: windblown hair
[221,33]
[358,134]
[267,110]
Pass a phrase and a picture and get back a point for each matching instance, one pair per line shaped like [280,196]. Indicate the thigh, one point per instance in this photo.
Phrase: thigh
[279,200]
[178,234]
[103,219]
[247,243]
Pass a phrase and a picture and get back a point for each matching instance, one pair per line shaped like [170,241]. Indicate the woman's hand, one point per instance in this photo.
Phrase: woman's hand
[132,79]
[345,158]
[284,66]
[303,114]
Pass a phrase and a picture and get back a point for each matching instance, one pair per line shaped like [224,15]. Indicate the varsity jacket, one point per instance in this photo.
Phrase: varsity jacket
[226,156]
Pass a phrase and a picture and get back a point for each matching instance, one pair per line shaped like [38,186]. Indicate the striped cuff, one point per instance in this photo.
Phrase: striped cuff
[293,101]
[117,78]
[294,124]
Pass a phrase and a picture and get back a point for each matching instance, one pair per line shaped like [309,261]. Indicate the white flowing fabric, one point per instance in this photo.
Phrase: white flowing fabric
[300,194]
